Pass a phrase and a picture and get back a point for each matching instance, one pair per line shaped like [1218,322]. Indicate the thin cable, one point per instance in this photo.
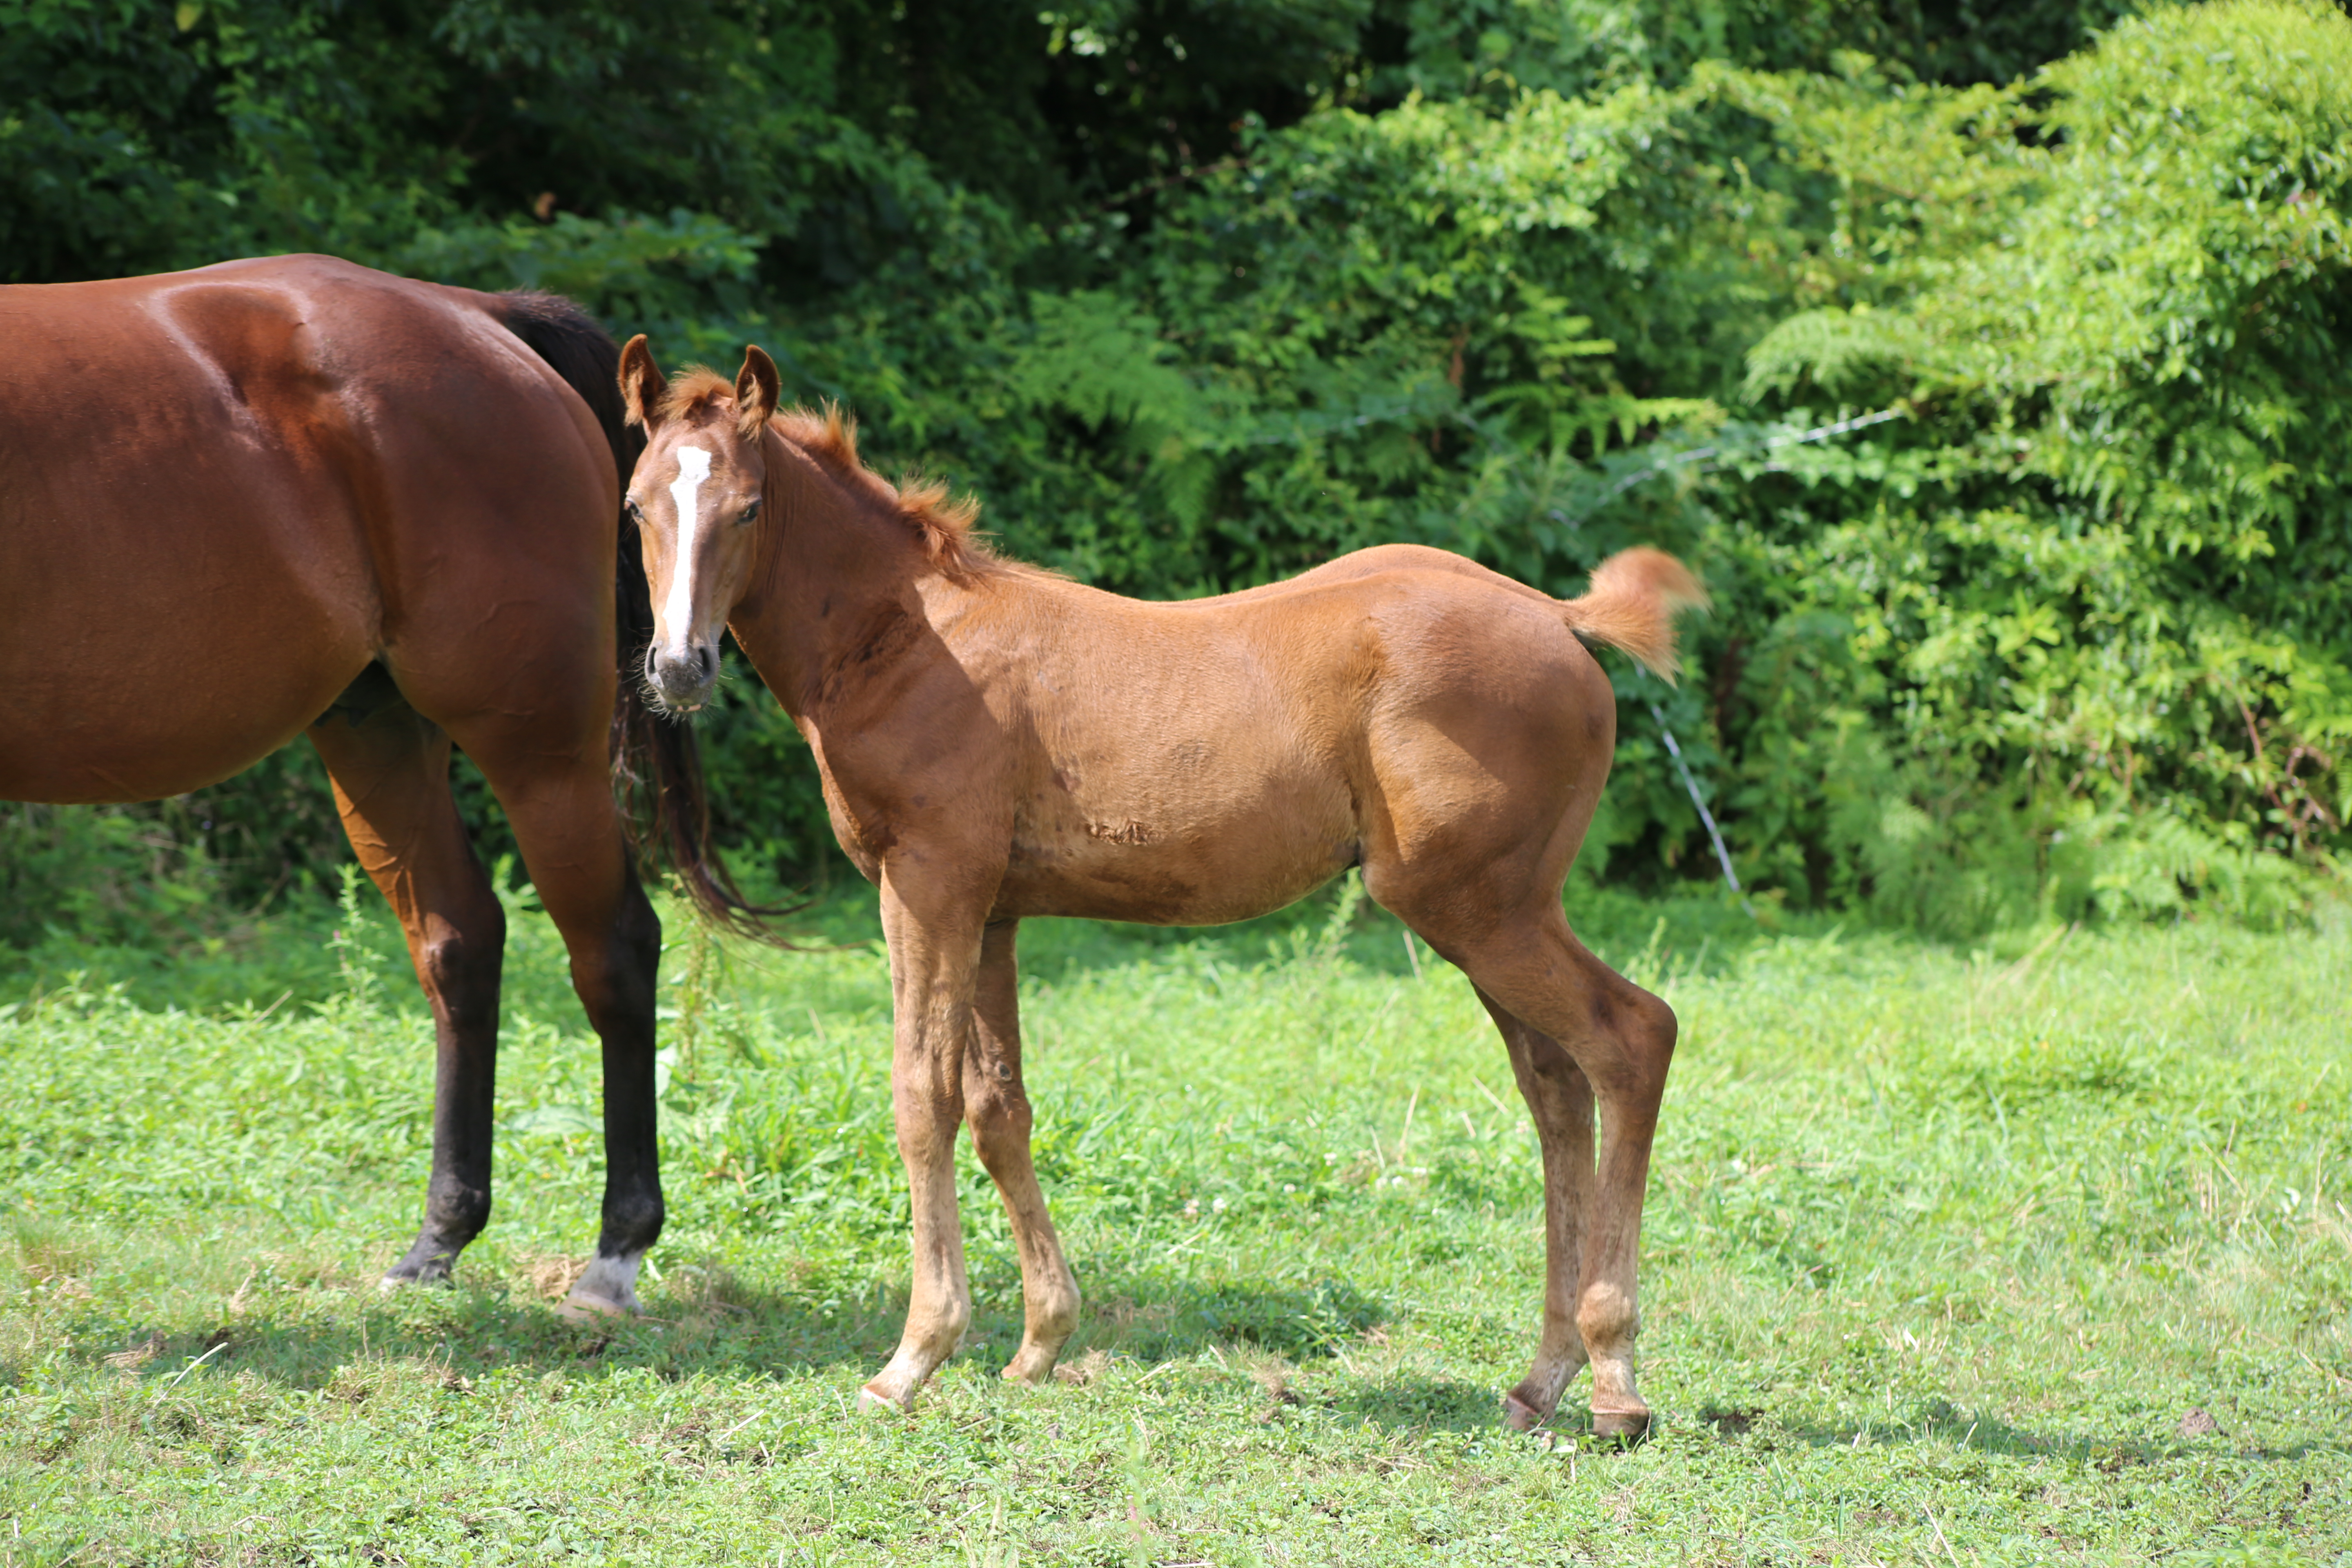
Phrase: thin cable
[1713,835]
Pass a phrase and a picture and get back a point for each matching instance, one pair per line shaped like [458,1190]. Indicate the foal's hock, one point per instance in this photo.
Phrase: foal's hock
[998,742]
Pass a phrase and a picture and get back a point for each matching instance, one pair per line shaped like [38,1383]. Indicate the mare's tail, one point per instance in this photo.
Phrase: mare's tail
[1632,604]
[656,761]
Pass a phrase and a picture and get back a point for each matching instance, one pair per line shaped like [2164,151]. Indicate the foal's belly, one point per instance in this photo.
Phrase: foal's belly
[1160,853]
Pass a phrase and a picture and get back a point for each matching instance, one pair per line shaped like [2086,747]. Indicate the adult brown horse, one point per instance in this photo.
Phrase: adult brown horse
[294,496]
[998,742]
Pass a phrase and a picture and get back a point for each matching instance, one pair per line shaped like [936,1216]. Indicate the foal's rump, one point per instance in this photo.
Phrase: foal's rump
[224,492]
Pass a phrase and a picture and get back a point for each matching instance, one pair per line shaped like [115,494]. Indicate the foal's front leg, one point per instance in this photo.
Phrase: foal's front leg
[934,955]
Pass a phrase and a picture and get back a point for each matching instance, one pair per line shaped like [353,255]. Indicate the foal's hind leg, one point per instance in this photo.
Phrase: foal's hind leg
[392,786]
[1560,1099]
[1621,1039]
[997,1106]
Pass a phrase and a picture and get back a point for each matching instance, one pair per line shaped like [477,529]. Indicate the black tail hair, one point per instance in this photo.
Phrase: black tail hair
[656,764]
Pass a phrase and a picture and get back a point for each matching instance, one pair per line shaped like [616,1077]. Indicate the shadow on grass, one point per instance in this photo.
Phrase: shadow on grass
[469,1330]
[1939,1420]
[1430,1404]
[1166,1317]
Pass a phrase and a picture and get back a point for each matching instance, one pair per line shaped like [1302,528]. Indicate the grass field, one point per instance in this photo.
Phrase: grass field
[2035,1252]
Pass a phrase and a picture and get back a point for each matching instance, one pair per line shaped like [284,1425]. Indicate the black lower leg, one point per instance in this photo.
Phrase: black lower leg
[466,1030]
[633,1191]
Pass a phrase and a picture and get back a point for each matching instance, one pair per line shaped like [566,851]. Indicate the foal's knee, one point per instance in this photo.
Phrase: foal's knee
[1645,1029]
[1656,1028]
[999,1116]
[1607,1318]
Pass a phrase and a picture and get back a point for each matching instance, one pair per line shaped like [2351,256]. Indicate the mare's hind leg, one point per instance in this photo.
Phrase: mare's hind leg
[391,774]
[997,1105]
[1560,1099]
[553,782]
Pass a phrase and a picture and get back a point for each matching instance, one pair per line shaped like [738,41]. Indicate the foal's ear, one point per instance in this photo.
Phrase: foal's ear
[642,386]
[757,385]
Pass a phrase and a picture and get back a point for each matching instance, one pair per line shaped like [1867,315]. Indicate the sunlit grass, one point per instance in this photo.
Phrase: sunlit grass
[2037,1251]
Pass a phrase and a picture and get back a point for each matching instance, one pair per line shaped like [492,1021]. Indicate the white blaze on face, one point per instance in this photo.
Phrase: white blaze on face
[693,467]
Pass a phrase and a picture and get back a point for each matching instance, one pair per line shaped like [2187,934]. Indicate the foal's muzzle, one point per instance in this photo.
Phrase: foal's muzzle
[682,681]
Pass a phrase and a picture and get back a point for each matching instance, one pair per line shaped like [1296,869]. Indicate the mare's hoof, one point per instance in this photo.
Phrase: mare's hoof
[426,1263]
[399,1278]
[872,1401]
[578,1309]
[606,1289]
[1628,1426]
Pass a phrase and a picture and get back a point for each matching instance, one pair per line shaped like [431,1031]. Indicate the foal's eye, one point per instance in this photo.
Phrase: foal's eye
[749,513]
[629,504]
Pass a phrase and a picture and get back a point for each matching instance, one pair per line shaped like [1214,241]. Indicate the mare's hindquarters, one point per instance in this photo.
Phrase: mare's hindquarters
[228,493]
[185,582]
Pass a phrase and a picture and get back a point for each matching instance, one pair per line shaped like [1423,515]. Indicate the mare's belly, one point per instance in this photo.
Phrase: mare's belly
[135,734]
[145,657]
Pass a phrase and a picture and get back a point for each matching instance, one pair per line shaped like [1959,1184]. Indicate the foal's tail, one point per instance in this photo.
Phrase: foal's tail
[656,761]
[1631,604]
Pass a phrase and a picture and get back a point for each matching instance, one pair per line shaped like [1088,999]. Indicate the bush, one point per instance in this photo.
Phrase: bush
[1994,383]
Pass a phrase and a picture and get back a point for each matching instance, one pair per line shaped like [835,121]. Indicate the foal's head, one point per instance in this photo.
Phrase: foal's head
[694,496]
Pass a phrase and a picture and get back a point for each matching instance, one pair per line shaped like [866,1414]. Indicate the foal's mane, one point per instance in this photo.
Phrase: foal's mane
[943,522]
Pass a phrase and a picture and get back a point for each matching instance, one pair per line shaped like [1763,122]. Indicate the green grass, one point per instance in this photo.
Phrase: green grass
[1943,1246]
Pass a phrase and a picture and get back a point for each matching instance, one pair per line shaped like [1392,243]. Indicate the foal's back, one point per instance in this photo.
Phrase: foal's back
[1211,760]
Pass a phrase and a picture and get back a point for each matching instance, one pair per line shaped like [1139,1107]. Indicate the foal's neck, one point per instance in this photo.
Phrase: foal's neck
[840,580]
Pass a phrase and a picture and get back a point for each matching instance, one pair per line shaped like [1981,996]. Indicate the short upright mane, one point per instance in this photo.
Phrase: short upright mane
[943,522]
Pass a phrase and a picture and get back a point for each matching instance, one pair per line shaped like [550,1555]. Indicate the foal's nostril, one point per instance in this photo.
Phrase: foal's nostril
[684,677]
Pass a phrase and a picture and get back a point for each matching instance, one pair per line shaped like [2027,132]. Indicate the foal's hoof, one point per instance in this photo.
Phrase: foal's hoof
[873,1401]
[1034,1369]
[1627,1426]
[1521,1416]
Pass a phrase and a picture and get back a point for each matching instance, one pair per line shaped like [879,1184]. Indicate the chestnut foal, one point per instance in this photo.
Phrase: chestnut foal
[998,742]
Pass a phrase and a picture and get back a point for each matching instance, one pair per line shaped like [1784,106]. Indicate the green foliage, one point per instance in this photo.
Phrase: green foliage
[1990,363]
[2096,577]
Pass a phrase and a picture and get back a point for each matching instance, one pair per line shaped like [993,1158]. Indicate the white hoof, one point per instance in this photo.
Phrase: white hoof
[608,1289]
